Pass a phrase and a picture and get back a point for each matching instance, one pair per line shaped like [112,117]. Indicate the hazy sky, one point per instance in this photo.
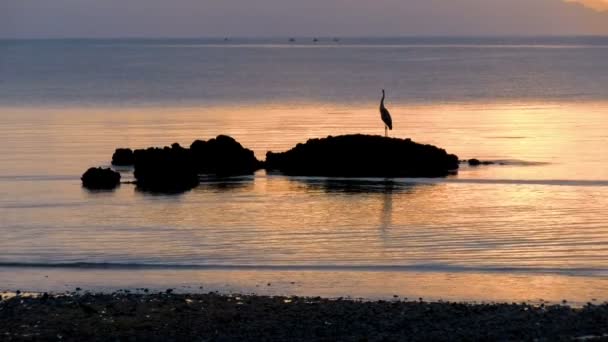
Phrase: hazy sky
[200,18]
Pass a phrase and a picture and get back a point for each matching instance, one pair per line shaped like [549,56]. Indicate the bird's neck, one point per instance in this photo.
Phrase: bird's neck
[382,101]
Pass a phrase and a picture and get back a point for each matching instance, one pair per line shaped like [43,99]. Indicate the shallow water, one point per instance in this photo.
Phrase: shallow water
[539,216]
[548,289]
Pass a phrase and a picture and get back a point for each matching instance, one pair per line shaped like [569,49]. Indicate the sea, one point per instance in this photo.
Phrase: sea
[531,227]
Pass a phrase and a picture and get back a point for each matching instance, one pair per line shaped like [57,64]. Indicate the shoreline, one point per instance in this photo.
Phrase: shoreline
[167,315]
[492,287]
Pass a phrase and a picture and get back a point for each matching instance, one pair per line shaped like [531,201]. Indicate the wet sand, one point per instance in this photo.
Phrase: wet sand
[185,317]
[368,283]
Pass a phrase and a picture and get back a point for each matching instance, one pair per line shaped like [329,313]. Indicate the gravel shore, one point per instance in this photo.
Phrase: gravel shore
[167,316]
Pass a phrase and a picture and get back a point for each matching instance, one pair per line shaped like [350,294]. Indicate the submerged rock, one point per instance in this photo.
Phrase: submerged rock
[99,178]
[363,156]
[123,157]
[223,156]
[477,162]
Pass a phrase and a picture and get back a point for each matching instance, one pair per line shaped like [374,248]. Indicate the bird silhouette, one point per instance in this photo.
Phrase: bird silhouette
[385,115]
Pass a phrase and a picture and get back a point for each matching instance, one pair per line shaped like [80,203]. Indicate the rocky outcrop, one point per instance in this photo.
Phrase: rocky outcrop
[123,157]
[223,156]
[363,156]
[168,169]
[177,169]
[99,178]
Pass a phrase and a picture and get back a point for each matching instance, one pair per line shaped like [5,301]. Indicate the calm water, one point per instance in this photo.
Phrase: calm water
[537,223]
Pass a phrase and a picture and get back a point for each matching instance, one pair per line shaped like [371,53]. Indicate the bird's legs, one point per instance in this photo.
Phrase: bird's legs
[385,131]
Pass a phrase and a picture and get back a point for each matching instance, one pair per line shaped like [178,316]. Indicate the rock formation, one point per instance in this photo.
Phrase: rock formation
[363,156]
[99,178]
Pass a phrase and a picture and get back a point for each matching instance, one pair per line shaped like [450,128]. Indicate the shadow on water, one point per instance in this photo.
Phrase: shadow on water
[207,183]
[357,186]
[382,191]
[225,184]
[151,193]
[386,215]
[97,192]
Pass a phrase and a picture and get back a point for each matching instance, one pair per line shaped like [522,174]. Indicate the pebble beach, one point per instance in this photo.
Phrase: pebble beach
[166,316]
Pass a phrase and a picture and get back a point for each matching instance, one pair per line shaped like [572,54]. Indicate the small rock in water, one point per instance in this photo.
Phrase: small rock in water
[474,162]
[98,178]
[477,162]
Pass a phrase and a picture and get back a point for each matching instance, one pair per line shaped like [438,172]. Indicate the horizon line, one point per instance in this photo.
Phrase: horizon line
[349,36]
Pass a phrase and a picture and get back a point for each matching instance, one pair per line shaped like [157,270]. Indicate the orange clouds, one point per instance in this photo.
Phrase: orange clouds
[598,5]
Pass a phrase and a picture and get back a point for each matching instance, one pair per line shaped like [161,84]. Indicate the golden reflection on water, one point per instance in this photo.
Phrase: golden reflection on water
[275,220]
[467,222]
[560,133]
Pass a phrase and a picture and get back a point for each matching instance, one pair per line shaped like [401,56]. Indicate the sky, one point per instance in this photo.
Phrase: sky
[219,18]
[598,5]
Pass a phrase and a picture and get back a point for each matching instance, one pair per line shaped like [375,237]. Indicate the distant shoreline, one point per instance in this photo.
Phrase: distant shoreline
[325,36]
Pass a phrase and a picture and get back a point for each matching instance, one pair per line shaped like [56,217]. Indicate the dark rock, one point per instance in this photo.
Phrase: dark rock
[167,170]
[223,156]
[123,157]
[477,162]
[98,178]
[87,309]
[175,169]
[363,156]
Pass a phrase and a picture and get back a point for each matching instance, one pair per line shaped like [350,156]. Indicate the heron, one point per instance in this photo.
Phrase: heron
[385,115]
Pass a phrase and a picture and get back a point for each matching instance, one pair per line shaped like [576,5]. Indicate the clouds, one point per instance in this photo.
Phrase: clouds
[200,18]
[598,5]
